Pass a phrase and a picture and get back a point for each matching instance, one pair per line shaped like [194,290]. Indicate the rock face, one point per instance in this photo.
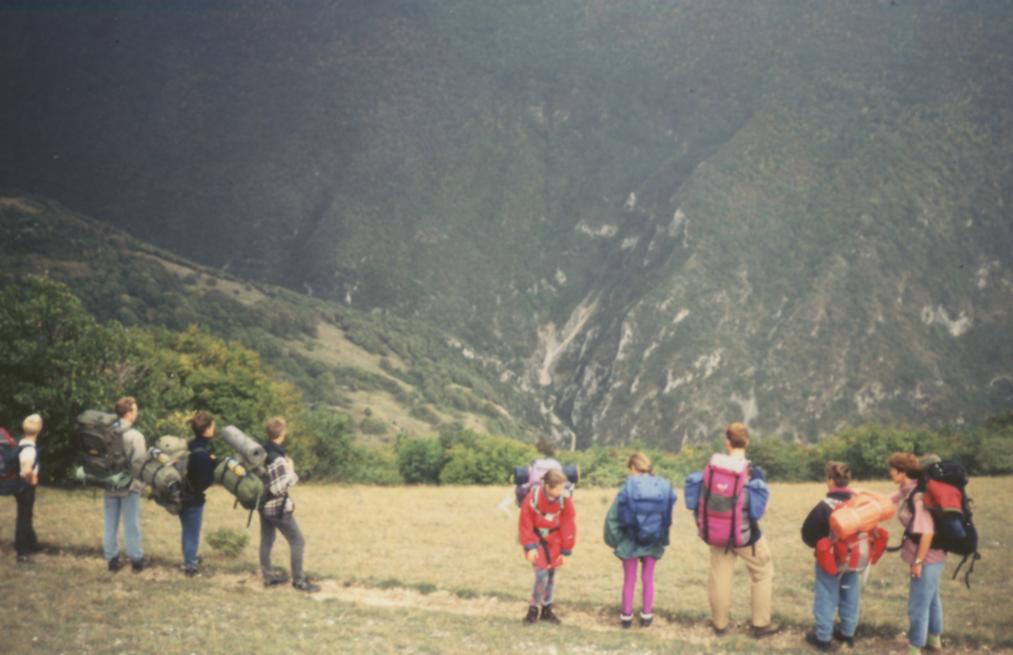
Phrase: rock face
[661,218]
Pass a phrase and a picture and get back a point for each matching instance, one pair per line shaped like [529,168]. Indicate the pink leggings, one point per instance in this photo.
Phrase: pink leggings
[630,584]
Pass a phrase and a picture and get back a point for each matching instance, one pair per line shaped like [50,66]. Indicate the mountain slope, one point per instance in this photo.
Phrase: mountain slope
[657,217]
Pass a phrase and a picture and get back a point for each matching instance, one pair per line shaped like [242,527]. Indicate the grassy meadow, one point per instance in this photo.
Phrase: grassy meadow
[437,569]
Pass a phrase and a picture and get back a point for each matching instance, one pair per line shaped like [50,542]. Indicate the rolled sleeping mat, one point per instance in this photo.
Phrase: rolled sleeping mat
[251,452]
[245,486]
[162,472]
[864,511]
[174,447]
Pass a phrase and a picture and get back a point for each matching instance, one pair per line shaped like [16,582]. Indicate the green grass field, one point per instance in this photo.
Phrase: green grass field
[431,570]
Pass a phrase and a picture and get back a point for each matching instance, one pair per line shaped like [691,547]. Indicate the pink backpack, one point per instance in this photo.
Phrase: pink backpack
[723,510]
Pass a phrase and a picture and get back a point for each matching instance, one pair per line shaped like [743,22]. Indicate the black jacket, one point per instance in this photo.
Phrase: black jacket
[200,471]
[817,524]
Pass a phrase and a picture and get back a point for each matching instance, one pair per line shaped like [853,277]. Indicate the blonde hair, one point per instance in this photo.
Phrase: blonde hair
[737,435]
[640,462]
[32,425]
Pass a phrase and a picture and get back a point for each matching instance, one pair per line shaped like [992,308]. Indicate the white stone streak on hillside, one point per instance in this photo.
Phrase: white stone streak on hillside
[553,346]
[624,341]
[602,231]
[709,363]
[681,316]
[955,326]
[748,405]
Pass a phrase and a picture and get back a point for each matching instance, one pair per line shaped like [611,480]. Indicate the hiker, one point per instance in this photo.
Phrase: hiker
[924,608]
[200,469]
[126,502]
[26,542]
[277,513]
[729,497]
[836,591]
[637,529]
[547,532]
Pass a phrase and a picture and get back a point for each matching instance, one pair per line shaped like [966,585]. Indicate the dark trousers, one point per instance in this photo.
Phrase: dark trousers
[25,539]
[290,530]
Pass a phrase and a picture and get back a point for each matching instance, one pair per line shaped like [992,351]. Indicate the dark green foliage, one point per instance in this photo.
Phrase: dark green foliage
[420,461]
[229,543]
[484,459]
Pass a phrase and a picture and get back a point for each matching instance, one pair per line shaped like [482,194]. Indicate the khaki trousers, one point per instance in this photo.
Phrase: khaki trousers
[719,585]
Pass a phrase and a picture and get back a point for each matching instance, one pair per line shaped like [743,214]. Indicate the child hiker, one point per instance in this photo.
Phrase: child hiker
[547,531]
[637,527]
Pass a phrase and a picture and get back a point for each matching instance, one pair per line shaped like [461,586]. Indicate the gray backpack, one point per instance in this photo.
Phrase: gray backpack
[101,454]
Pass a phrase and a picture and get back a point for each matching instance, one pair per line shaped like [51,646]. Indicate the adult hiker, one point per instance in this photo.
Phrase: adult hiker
[125,503]
[729,498]
[637,529]
[924,607]
[277,513]
[200,469]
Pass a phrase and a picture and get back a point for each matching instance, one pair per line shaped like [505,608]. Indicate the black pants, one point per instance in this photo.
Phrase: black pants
[25,539]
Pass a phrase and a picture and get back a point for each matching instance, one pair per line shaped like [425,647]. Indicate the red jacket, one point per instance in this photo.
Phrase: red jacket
[559,522]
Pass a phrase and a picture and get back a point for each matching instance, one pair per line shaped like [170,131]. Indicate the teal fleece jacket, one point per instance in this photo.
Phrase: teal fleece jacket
[624,545]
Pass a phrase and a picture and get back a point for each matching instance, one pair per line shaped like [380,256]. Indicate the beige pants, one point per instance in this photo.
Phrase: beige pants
[719,585]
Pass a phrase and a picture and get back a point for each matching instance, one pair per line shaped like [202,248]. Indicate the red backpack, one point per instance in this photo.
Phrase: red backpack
[852,552]
[10,464]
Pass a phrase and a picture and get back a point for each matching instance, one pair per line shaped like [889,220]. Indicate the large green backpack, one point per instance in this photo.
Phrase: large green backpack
[101,454]
[246,485]
[164,470]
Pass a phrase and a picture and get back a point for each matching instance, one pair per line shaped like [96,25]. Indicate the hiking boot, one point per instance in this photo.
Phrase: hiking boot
[765,631]
[192,572]
[626,622]
[137,565]
[114,565]
[819,644]
[24,558]
[646,619]
[934,644]
[302,584]
[275,578]
[532,616]
[847,641]
[547,615]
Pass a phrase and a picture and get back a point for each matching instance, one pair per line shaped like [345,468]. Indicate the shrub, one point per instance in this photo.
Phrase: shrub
[420,461]
[375,466]
[229,543]
[370,425]
[489,460]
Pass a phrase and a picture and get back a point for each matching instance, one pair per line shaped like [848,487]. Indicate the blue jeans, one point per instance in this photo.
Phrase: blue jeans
[836,593]
[128,507]
[190,518]
[924,609]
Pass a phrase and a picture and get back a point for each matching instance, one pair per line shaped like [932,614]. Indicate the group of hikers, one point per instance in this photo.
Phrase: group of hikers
[728,499]
[121,503]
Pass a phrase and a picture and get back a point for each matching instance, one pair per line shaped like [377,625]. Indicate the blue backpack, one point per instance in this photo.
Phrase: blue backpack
[645,508]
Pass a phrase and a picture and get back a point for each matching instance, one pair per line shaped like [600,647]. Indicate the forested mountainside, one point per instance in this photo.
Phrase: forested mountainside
[653,217]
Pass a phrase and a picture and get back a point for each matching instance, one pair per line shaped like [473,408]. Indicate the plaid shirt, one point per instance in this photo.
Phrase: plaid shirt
[280,477]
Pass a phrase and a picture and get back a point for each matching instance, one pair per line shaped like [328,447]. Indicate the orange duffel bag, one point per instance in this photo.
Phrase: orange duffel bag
[860,513]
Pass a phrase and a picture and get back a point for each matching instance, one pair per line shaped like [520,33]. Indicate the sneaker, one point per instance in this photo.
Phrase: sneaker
[626,622]
[819,644]
[192,572]
[646,619]
[532,615]
[847,641]
[114,565]
[547,615]
[765,631]
[302,584]
[137,565]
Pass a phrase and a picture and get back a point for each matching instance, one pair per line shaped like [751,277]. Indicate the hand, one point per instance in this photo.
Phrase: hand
[916,571]
[561,561]
[532,555]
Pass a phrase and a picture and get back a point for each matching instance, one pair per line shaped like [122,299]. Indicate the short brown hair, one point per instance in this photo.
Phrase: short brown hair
[839,472]
[125,405]
[906,463]
[201,421]
[640,462]
[553,478]
[737,435]
[275,427]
